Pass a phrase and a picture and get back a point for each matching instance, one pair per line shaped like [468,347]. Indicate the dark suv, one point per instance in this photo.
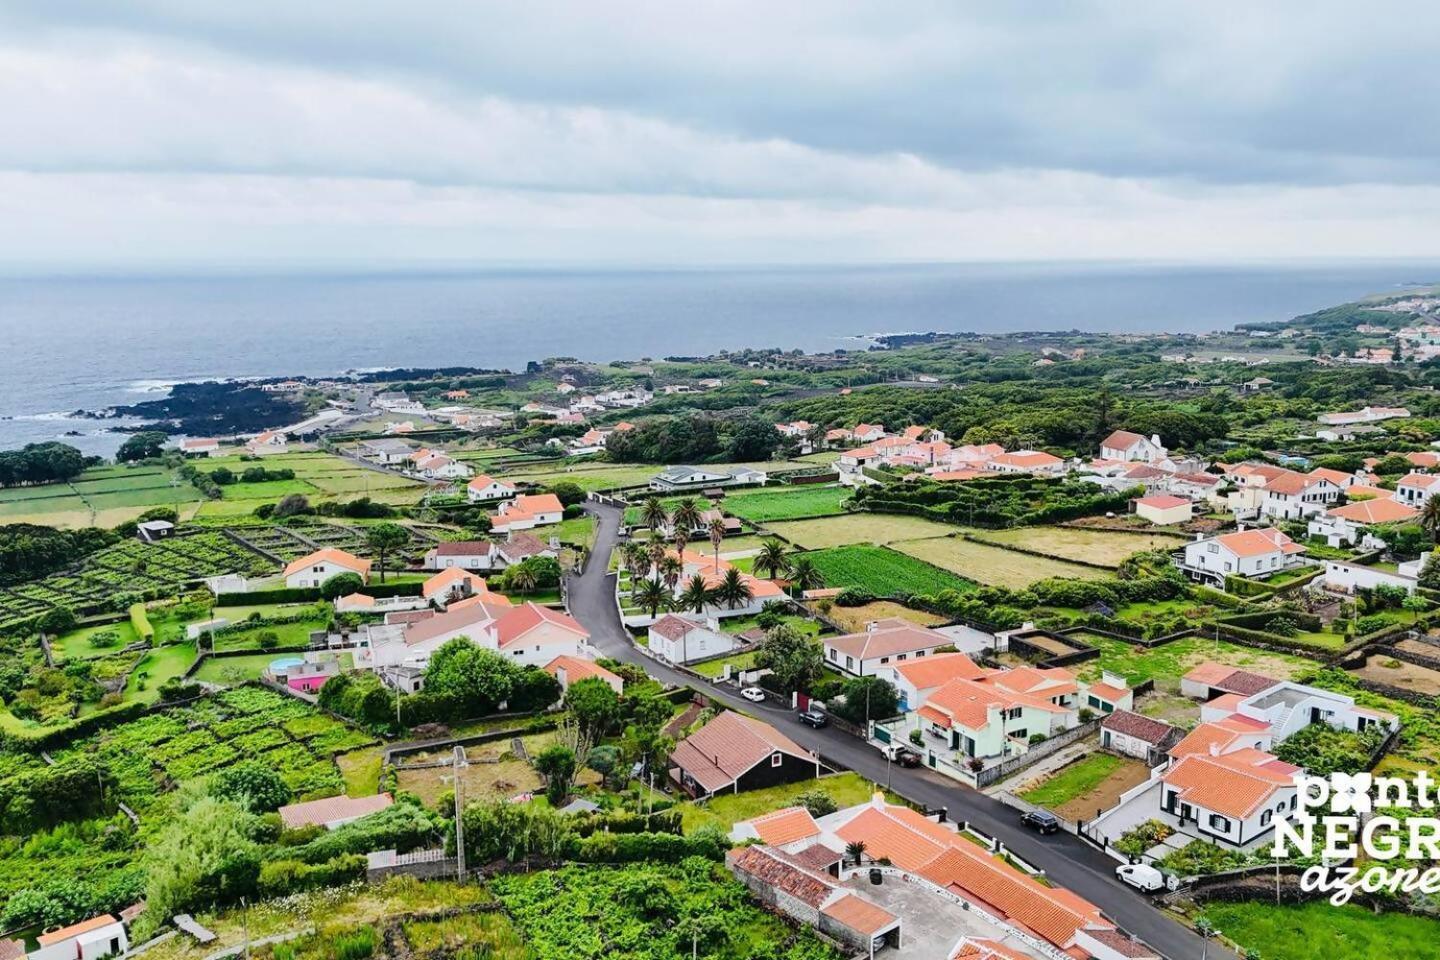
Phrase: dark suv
[813,718]
[1041,821]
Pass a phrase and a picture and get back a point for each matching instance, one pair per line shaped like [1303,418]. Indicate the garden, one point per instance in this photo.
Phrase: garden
[786,503]
[1083,787]
[648,912]
[882,572]
[1319,931]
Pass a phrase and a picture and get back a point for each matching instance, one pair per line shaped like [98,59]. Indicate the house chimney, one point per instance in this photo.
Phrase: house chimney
[1214,750]
[870,627]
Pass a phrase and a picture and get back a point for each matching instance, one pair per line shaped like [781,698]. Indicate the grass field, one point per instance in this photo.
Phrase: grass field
[157,666]
[992,565]
[724,811]
[104,496]
[786,503]
[857,528]
[1105,547]
[233,670]
[714,668]
[882,571]
[1319,931]
[1167,664]
[1080,788]
[75,645]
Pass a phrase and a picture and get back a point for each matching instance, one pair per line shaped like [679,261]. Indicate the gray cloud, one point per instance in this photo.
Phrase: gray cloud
[736,131]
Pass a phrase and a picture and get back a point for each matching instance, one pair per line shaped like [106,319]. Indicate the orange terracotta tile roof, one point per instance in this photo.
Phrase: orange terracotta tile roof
[1108,692]
[1379,510]
[938,669]
[1162,501]
[1027,458]
[518,622]
[330,555]
[74,930]
[446,579]
[888,638]
[1337,477]
[859,915]
[578,668]
[982,949]
[1122,440]
[539,503]
[1257,543]
[785,826]
[1422,481]
[1233,784]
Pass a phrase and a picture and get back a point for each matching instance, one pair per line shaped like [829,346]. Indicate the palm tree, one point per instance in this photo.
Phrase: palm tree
[652,595]
[637,559]
[733,590]
[771,559]
[854,851]
[717,536]
[1430,518]
[696,596]
[804,575]
[682,538]
[670,570]
[686,516]
[654,515]
[656,548]
[521,578]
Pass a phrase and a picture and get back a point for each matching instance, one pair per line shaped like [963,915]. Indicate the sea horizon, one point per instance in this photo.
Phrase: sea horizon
[132,336]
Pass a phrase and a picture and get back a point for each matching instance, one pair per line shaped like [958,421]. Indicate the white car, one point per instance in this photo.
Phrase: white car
[1141,877]
[753,694]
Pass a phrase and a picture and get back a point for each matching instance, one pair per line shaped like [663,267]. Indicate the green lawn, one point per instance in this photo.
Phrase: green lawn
[578,531]
[714,668]
[234,670]
[159,665]
[846,789]
[75,645]
[287,634]
[361,770]
[1167,664]
[882,571]
[1074,780]
[1319,931]
[786,503]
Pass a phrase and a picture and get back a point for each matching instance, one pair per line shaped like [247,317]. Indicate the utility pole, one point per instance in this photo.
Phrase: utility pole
[459,764]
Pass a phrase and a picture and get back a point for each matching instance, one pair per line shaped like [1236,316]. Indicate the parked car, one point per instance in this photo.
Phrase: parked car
[1041,821]
[1141,876]
[753,694]
[813,718]
[899,753]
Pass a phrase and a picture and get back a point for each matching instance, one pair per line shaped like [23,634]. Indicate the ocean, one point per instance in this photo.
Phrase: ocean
[91,342]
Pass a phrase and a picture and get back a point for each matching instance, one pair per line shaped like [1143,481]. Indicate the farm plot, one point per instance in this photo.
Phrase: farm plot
[101,497]
[1081,787]
[1167,664]
[186,743]
[883,571]
[495,772]
[1105,547]
[853,619]
[786,503]
[857,528]
[995,566]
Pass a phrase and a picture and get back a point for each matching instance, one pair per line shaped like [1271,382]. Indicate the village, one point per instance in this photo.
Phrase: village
[913,689]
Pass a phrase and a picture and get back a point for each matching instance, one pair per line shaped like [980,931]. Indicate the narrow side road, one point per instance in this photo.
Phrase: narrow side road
[1065,859]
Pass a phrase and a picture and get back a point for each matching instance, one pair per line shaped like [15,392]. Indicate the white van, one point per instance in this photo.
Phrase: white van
[1141,877]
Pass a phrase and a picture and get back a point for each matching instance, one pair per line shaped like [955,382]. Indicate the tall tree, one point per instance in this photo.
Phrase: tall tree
[771,560]
[686,514]
[671,568]
[1430,518]
[696,596]
[650,595]
[384,538]
[804,575]
[795,661]
[733,591]
[717,536]
[654,514]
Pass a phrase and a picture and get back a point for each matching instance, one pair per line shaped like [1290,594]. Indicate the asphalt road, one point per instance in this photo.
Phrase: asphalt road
[1067,860]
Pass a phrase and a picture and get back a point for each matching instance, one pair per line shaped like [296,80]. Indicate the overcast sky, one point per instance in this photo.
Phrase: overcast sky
[208,133]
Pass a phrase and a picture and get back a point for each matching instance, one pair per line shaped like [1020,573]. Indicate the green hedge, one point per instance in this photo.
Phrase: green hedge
[280,877]
[49,738]
[141,622]
[310,594]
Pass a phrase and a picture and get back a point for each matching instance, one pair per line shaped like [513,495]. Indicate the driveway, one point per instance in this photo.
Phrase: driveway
[1066,860]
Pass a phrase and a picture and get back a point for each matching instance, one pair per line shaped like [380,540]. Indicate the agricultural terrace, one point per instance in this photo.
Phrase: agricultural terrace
[99,497]
[643,912]
[1105,547]
[146,758]
[882,572]
[132,568]
[857,528]
[994,566]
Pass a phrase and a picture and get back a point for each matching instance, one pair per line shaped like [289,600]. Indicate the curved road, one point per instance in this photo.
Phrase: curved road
[1067,860]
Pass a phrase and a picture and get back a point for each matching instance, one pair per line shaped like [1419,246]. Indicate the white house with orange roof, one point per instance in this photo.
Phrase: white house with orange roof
[1133,447]
[461,554]
[102,936]
[1416,489]
[200,447]
[915,680]
[527,511]
[795,428]
[1004,912]
[1245,553]
[1347,525]
[568,669]
[312,570]
[1296,496]
[484,489]
[449,585]
[266,443]
[439,466]
[529,634]
[1163,509]
[1036,462]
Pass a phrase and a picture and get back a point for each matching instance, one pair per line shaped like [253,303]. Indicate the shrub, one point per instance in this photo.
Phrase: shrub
[817,802]
[141,622]
[254,784]
[341,585]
